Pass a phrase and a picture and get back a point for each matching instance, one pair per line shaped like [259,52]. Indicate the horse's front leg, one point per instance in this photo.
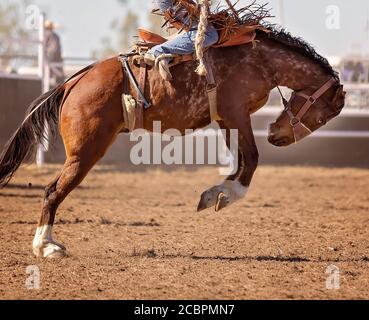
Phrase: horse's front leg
[235,187]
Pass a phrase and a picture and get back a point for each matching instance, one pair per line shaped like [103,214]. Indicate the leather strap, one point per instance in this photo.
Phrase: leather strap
[310,100]
[125,81]
[125,91]
[132,79]
[139,88]
[300,130]
[212,91]
[141,102]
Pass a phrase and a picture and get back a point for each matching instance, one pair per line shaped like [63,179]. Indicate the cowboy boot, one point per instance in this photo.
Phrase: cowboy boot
[164,69]
[149,59]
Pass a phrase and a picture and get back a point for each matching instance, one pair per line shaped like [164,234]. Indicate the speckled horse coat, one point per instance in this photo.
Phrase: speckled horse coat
[88,112]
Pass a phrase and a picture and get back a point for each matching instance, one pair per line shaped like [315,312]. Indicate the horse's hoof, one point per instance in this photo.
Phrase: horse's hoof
[202,205]
[208,199]
[222,196]
[50,251]
[54,252]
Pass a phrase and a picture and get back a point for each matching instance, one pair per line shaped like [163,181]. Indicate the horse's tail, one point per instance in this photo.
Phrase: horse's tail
[42,114]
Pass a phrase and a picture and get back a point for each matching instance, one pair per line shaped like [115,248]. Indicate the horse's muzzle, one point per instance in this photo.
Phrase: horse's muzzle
[276,137]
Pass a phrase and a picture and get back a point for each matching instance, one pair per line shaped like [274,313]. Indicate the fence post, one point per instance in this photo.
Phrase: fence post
[40,157]
[281,13]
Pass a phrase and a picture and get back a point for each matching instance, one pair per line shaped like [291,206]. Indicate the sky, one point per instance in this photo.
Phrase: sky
[334,27]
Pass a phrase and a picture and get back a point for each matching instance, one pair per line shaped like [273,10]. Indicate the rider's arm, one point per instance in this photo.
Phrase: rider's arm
[189,5]
[180,13]
[164,5]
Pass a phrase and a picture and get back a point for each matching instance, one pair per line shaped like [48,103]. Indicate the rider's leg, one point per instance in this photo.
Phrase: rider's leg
[185,43]
[181,45]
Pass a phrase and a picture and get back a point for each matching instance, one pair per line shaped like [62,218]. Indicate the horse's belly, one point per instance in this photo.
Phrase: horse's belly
[185,112]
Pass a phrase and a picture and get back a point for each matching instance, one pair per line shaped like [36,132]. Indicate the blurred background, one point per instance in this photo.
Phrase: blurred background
[43,41]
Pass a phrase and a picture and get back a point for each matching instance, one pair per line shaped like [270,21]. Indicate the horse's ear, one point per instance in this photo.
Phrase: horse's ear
[338,100]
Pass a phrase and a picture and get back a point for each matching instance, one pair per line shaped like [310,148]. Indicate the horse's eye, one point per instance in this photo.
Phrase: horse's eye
[321,121]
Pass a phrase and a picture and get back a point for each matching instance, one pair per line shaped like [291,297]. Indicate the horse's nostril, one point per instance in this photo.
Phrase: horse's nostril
[273,129]
[270,139]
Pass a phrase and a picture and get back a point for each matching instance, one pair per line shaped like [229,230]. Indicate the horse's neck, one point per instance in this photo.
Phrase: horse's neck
[292,69]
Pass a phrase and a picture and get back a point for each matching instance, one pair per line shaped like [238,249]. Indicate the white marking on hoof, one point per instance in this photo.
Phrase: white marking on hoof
[230,191]
[234,190]
[44,246]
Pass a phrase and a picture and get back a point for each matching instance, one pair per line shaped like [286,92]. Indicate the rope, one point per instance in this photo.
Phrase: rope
[200,36]
[162,57]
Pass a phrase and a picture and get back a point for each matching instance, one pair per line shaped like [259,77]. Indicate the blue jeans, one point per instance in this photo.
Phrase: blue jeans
[185,43]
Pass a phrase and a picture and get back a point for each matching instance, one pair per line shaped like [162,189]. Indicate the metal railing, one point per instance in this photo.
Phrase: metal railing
[43,70]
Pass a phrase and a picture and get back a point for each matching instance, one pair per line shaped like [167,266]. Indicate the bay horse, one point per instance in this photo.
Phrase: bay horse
[87,111]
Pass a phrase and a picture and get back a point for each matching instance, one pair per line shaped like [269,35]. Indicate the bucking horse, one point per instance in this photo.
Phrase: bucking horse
[87,112]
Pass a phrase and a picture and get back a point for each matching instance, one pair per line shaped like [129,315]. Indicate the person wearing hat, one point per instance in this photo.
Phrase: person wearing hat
[54,53]
[179,12]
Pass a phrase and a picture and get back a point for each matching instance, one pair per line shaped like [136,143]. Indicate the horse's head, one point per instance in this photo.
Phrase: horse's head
[307,111]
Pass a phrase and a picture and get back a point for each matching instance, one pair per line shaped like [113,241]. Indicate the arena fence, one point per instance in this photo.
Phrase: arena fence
[343,142]
[39,83]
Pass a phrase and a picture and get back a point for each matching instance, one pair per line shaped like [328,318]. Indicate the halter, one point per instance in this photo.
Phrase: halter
[300,130]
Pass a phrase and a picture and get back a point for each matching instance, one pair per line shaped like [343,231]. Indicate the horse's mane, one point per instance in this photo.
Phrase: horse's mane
[258,14]
[299,45]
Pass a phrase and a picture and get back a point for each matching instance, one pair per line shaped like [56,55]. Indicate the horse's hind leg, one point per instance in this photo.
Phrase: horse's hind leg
[75,169]
[72,174]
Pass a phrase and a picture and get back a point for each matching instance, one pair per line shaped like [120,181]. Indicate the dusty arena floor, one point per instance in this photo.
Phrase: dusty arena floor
[137,236]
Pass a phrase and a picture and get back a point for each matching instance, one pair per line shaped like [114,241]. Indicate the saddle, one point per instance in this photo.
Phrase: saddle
[242,34]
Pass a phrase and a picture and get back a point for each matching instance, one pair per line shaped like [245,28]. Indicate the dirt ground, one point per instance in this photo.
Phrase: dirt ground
[136,235]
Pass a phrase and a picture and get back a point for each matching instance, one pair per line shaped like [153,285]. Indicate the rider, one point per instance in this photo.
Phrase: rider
[182,44]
